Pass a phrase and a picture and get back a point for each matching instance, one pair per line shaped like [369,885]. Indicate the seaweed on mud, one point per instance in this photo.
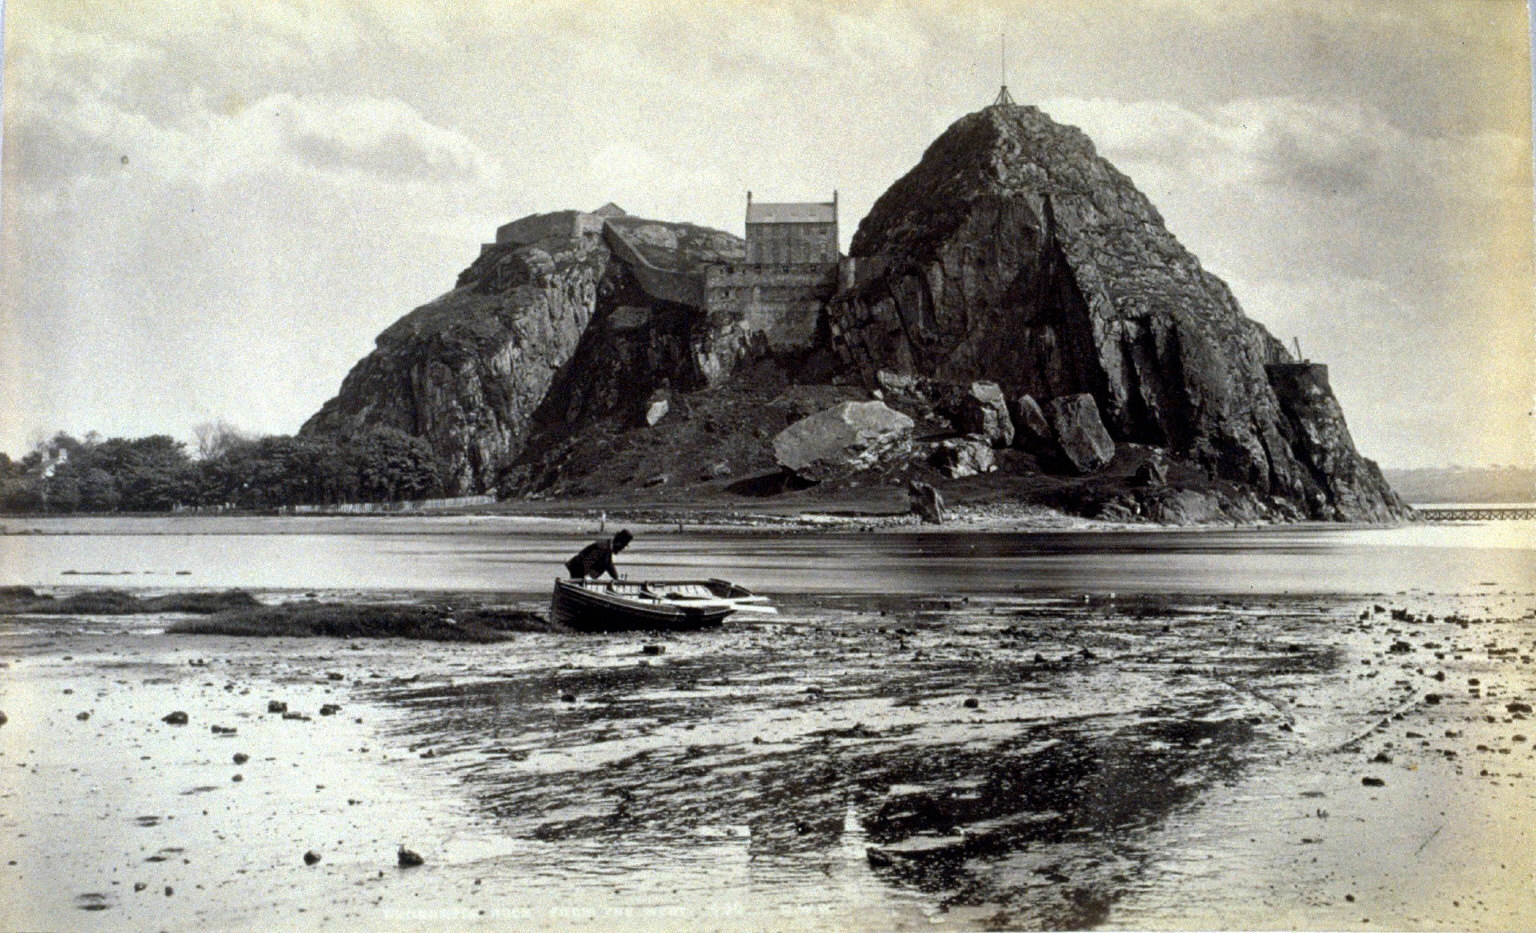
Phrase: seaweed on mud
[25,601]
[344,620]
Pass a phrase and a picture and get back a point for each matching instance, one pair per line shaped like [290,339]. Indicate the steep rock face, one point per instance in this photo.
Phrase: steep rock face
[1343,483]
[1012,252]
[467,371]
[543,329]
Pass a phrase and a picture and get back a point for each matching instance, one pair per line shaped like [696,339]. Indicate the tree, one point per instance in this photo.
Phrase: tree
[391,465]
[98,491]
[278,470]
[21,494]
[152,473]
[215,438]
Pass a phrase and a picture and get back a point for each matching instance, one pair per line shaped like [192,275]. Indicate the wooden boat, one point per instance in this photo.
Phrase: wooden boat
[710,593]
[623,606]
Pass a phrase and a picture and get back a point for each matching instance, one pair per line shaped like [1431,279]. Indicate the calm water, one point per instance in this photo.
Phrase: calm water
[494,554]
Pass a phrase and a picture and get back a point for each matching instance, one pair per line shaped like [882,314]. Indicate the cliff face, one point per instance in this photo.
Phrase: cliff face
[550,325]
[1014,253]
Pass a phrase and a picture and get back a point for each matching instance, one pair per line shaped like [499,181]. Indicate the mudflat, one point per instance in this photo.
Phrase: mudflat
[857,762]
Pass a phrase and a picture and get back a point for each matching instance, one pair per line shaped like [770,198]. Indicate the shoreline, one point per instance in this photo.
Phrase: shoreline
[641,520]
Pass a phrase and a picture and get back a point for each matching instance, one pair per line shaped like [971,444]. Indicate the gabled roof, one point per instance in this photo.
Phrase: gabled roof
[610,210]
[759,212]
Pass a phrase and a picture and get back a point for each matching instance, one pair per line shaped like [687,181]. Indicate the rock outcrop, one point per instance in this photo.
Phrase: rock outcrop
[978,408]
[1031,431]
[926,503]
[548,325]
[1081,437]
[1014,253]
[841,440]
[467,371]
[959,457]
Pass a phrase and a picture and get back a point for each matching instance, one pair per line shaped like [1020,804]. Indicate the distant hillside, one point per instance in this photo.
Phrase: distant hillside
[1465,484]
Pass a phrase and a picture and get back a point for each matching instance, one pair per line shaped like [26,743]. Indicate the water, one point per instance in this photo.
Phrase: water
[492,554]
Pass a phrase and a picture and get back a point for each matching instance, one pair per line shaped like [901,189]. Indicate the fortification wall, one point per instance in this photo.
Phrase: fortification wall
[758,309]
[538,227]
[682,288]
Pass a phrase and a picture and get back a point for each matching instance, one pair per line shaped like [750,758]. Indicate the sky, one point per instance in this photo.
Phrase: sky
[210,208]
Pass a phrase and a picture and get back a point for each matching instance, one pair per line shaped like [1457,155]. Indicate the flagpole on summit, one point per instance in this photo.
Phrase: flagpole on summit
[1004,99]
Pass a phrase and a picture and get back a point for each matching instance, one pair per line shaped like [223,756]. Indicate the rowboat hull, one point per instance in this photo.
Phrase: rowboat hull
[590,606]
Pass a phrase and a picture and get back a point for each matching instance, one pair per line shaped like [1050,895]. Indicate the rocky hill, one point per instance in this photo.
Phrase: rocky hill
[546,326]
[1018,305]
[1014,253]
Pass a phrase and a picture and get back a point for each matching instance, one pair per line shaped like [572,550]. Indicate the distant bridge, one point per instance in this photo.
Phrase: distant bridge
[1479,514]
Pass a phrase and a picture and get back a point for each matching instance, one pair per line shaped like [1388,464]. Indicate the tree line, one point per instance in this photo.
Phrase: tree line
[157,473]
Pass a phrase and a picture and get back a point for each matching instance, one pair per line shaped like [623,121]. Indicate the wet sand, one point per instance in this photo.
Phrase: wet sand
[854,763]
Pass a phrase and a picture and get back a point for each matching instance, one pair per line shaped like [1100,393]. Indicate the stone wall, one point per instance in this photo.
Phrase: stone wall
[682,288]
[560,225]
[792,243]
[761,309]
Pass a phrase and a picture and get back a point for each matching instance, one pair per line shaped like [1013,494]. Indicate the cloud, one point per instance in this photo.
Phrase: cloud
[1311,148]
[376,138]
[82,113]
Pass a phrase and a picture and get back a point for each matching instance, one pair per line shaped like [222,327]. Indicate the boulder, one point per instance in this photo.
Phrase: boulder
[964,456]
[1153,471]
[926,502]
[842,440]
[1080,433]
[1031,431]
[977,408]
[656,407]
[895,383]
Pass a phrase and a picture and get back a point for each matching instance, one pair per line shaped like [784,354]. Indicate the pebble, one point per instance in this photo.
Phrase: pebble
[407,858]
[311,857]
[178,718]
[241,758]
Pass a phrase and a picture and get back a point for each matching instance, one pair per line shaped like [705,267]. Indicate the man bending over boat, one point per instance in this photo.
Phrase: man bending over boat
[596,558]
